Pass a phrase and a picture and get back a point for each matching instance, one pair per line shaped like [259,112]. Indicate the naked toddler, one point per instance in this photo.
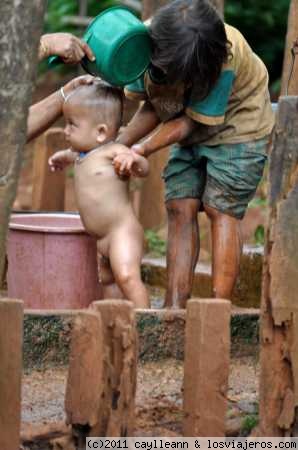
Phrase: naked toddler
[93,116]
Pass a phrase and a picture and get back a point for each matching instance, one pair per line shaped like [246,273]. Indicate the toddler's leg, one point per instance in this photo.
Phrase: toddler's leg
[126,249]
[106,278]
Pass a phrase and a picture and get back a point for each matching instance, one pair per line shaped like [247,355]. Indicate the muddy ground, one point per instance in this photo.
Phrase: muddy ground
[158,400]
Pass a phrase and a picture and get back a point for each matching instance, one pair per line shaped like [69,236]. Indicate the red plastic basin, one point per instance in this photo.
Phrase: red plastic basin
[51,262]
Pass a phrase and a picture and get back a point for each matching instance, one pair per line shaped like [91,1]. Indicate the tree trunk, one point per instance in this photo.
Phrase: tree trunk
[11,341]
[279,319]
[292,35]
[20,28]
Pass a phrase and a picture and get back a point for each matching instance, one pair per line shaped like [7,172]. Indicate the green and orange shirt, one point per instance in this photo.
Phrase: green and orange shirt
[238,109]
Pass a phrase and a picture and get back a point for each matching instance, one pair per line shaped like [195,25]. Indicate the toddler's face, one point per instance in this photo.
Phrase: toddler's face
[80,129]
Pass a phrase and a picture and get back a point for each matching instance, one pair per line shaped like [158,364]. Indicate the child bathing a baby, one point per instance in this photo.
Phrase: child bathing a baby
[93,115]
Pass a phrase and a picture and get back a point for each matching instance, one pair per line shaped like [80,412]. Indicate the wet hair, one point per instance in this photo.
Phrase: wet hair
[103,100]
[189,43]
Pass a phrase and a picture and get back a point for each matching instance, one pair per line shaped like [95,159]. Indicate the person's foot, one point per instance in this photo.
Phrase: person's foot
[174,305]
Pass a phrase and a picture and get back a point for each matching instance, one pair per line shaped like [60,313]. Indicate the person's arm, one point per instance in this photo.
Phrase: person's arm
[62,159]
[43,114]
[128,163]
[168,133]
[143,122]
[70,48]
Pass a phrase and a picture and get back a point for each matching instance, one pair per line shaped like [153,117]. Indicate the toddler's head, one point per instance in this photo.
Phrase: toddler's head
[93,115]
[189,44]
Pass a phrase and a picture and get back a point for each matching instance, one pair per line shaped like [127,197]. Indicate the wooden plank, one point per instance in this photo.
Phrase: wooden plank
[48,187]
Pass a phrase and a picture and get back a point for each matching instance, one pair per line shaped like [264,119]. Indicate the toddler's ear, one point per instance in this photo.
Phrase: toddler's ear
[102,133]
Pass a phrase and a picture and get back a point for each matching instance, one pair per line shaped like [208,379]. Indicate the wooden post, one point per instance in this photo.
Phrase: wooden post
[11,340]
[116,412]
[85,375]
[292,35]
[206,367]
[48,187]
[279,318]
[84,382]
[20,29]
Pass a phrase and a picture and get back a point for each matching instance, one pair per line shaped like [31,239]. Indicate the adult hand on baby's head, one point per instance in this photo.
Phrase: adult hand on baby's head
[70,48]
[76,82]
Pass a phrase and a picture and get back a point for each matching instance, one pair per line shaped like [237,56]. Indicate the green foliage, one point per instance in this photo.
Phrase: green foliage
[249,423]
[59,9]
[264,25]
[156,245]
[258,202]
[260,235]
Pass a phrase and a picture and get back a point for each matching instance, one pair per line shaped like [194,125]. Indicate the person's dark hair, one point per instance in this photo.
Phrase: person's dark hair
[189,43]
[106,101]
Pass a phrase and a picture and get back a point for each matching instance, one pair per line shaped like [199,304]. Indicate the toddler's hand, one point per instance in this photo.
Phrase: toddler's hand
[123,164]
[59,160]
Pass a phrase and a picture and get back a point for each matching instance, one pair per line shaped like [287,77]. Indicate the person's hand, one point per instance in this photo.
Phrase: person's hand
[60,160]
[139,149]
[126,164]
[70,48]
[123,164]
[76,82]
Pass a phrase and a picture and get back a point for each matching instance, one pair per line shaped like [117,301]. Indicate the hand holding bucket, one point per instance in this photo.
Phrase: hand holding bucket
[121,45]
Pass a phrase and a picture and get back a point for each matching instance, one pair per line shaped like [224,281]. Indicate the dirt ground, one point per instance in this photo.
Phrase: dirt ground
[158,400]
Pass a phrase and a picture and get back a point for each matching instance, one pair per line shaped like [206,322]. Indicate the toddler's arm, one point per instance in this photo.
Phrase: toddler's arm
[127,162]
[62,159]
[131,163]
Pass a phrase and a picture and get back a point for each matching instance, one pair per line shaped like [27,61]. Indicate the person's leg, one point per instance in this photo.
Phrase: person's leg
[184,177]
[106,279]
[233,174]
[183,250]
[135,189]
[226,252]
[126,250]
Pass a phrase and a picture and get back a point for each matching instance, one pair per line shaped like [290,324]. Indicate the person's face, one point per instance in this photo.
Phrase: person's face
[81,131]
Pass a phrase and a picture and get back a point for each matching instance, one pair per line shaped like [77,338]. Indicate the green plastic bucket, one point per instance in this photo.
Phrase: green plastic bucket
[121,46]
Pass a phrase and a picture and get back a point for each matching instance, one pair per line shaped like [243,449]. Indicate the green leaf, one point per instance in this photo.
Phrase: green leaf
[260,235]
